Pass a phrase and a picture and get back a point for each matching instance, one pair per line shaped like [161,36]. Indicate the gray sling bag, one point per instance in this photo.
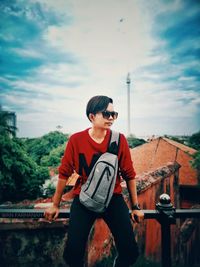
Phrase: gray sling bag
[96,193]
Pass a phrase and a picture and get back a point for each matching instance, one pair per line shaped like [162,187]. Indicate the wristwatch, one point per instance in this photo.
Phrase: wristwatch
[136,207]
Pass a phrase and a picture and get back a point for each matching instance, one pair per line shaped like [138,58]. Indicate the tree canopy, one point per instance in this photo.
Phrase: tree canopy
[20,176]
[38,148]
[194,140]
[54,157]
[133,141]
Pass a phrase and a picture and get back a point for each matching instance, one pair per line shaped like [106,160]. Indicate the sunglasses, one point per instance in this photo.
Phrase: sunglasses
[106,114]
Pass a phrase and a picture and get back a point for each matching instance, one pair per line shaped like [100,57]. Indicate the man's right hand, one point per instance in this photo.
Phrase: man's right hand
[51,214]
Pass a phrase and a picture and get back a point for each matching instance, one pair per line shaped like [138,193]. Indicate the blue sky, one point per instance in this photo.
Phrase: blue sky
[55,55]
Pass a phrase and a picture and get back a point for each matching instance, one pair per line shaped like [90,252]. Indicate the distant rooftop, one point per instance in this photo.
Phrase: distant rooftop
[159,152]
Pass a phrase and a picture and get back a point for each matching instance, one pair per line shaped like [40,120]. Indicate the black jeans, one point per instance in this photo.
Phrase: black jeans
[118,220]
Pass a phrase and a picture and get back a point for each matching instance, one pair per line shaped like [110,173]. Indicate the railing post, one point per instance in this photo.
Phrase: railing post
[166,218]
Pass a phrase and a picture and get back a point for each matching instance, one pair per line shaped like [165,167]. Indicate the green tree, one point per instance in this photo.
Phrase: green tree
[133,141]
[37,148]
[194,141]
[20,176]
[196,164]
[54,157]
[175,138]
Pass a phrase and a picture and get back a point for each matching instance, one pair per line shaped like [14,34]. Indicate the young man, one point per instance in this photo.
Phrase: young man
[82,151]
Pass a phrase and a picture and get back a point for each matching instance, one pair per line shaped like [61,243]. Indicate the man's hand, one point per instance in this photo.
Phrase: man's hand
[137,216]
[51,214]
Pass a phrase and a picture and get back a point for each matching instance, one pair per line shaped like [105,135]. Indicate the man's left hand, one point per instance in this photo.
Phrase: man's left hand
[137,216]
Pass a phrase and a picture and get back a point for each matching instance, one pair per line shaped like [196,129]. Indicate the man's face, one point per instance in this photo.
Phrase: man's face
[103,120]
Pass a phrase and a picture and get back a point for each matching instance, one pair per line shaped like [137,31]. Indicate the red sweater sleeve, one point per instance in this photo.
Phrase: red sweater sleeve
[125,161]
[66,168]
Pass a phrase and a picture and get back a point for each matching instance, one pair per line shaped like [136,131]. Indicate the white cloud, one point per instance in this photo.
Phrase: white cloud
[97,36]
[108,39]
[32,53]
[62,73]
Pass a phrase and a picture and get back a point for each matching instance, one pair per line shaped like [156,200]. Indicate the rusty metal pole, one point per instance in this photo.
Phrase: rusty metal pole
[166,244]
[166,218]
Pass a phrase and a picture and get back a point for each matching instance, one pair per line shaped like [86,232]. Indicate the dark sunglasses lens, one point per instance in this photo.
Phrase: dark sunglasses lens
[115,115]
[107,114]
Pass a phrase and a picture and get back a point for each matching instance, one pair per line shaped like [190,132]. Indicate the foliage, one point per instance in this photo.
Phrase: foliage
[194,140]
[191,141]
[54,157]
[37,148]
[196,163]
[180,139]
[20,176]
[133,141]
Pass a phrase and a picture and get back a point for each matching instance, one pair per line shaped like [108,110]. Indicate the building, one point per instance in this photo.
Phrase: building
[159,152]
[9,122]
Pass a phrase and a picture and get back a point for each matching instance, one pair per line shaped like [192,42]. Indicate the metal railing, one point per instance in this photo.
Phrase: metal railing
[165,214]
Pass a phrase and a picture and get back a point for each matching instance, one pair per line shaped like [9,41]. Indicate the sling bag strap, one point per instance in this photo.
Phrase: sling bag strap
[114,143]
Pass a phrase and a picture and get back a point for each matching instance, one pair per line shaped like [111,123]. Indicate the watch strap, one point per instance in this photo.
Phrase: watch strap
[136,207]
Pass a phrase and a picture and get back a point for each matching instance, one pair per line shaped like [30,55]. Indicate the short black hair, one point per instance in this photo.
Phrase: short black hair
[97,104]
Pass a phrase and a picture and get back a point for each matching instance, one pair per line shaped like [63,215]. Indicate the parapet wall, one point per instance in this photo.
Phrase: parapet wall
[39,243]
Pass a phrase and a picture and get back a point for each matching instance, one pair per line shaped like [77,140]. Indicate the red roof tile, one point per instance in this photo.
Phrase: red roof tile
[180,146]
[161,151]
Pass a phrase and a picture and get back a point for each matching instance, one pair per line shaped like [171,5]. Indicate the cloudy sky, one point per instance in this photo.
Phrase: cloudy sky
[56,54]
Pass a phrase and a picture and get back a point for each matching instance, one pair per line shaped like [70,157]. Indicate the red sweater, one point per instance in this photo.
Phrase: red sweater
[82,152]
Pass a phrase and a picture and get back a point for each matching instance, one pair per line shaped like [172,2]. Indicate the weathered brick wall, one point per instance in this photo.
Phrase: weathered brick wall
[33,246]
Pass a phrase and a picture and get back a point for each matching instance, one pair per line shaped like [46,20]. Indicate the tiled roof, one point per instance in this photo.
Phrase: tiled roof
[159,152]
[180,146]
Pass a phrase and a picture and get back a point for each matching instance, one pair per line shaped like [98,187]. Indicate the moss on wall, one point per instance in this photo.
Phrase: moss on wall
[35,247]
